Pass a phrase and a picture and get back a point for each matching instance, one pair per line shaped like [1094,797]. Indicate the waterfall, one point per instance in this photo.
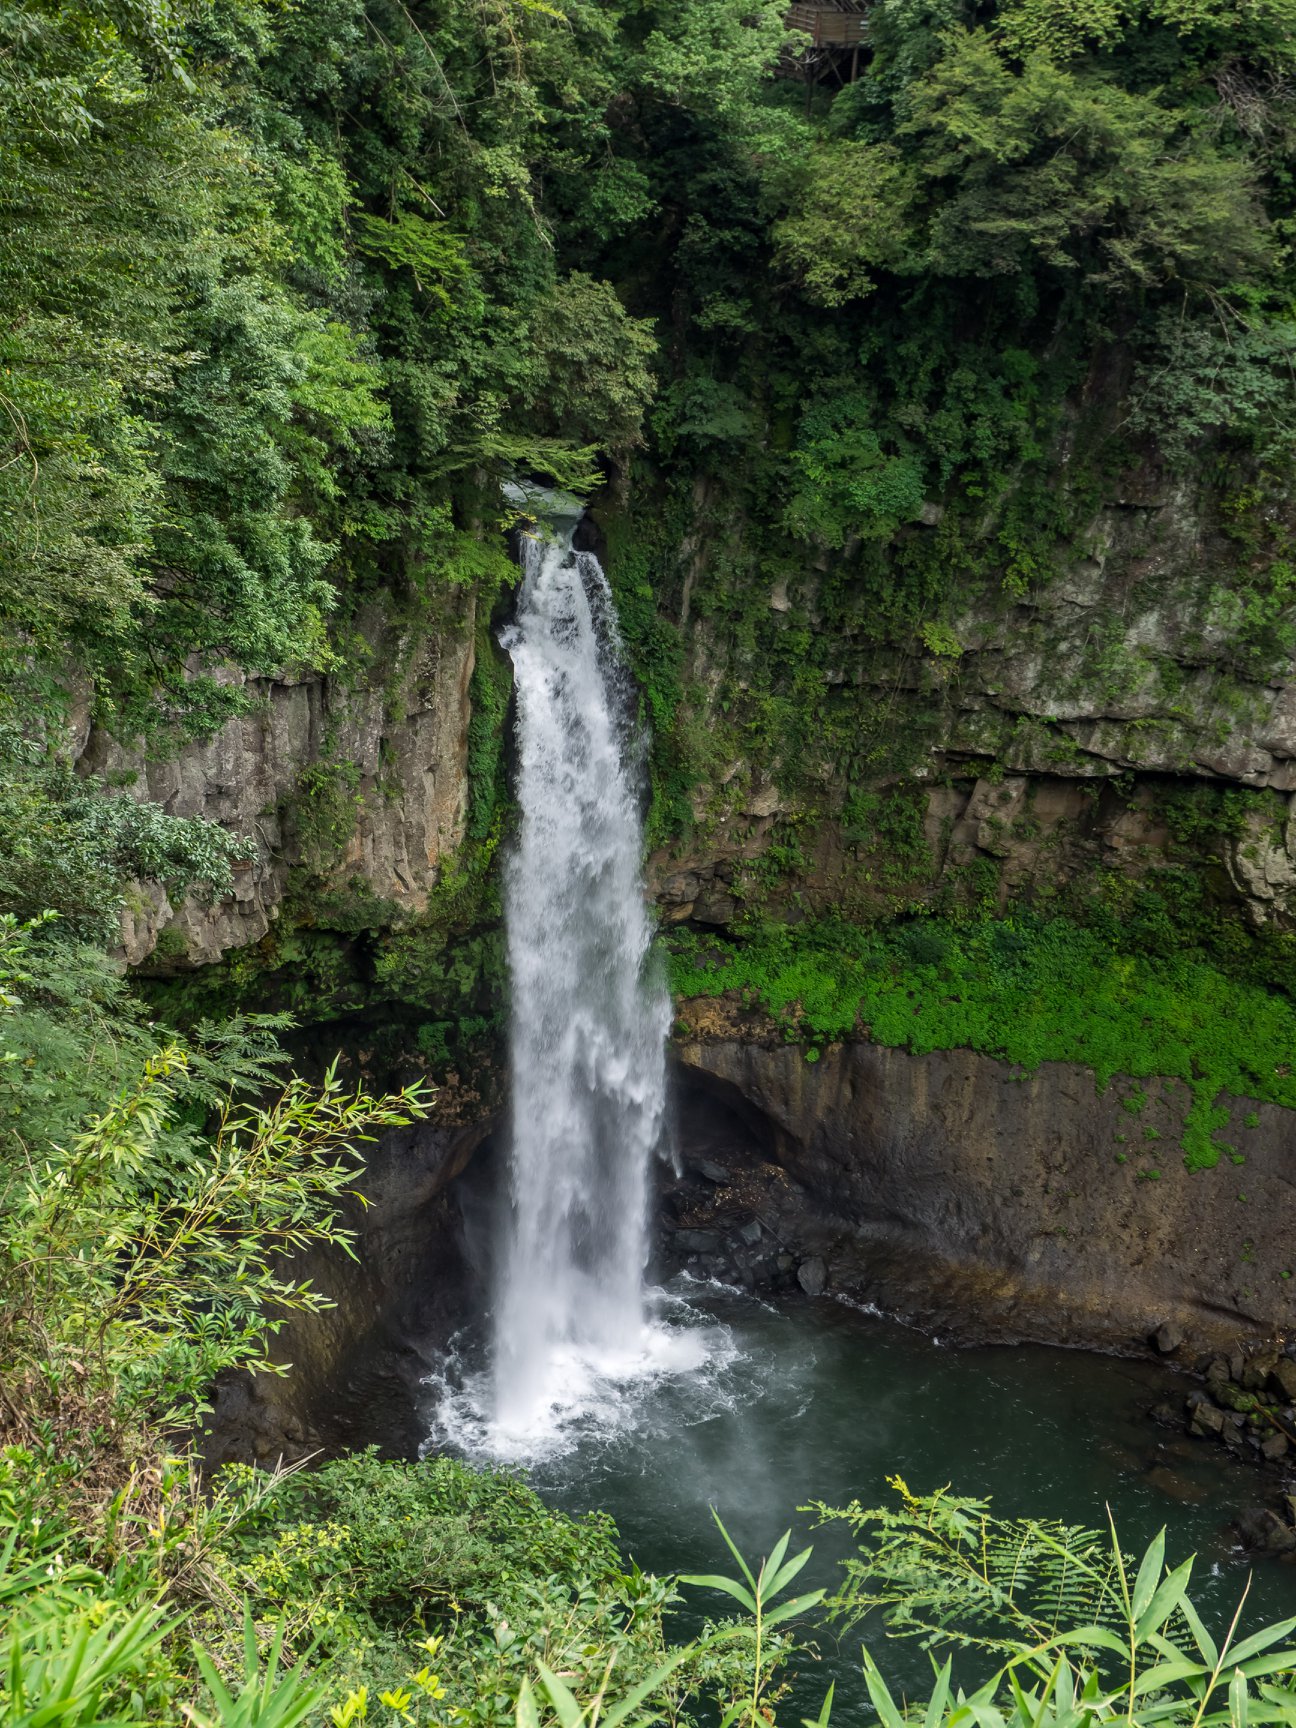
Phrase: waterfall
[589,1019]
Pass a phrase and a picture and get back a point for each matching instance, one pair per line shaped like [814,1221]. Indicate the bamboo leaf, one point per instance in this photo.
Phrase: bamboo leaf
[1238,1700]
[939,1699]
[879,1692]
[730,1586]
[825,1711]
[1165,1599]
[1262,1640]
[769,1569]
[569,1711]
[1205,1643]
[631,1701]
[1150,1569]
[789,1610]
[1166,1674]
[784,1577]
[743,1567]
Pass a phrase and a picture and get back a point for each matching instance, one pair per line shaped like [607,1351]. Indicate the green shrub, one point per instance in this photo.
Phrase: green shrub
[1025,991]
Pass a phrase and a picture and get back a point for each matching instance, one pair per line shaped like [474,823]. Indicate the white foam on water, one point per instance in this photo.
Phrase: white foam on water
[682,1367]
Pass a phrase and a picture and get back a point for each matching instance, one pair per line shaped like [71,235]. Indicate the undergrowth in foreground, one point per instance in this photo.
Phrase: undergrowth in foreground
[1024,991]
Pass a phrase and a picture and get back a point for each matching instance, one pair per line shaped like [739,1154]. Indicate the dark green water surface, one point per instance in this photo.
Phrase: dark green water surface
[818,1401]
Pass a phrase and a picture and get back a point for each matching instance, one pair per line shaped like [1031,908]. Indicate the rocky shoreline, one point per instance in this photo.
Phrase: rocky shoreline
[756,1202]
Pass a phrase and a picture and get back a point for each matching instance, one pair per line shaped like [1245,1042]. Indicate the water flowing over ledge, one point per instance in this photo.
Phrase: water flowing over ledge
[590,1018]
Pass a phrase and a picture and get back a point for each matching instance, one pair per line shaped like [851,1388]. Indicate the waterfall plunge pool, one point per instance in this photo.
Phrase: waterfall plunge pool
[797,1402]
[658,1407]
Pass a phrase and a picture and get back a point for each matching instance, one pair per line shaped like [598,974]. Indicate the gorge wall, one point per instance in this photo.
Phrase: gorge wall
[354,1372]
[979,1201]
[1055,740]
[1047,734]
[1110,729]
[356,781]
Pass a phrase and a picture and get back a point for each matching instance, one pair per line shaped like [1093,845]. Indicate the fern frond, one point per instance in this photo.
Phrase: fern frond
[944,1570]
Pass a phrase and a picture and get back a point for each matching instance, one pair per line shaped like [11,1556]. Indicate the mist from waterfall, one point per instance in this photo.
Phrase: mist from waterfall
[589,1013]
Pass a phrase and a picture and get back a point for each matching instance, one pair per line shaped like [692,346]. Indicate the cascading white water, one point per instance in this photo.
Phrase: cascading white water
[589,1017]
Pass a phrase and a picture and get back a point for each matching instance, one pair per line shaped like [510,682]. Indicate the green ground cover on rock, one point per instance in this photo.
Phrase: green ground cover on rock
[1021,990]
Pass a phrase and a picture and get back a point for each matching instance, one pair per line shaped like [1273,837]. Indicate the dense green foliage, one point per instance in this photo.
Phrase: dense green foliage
[1027,992]
[282,289]
[252,339]
[1079,1633]
[285,293]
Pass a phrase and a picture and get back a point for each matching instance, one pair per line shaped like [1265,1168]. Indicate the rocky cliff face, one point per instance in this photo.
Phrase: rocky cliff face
[1034,750]
[1036,743]
[1039,725]
[388,749]
[975,1199]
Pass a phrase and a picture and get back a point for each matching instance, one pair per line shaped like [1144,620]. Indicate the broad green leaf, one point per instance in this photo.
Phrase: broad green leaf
[1093,1637]
[798,1605]
[1279,1662]
[825,1711]
[569,1711]
[784,1577]
[1150,1569]
[730,1586]
[1261,1640]
[1165,1599]
[621,1709]
[528,1715]
[1238,1701]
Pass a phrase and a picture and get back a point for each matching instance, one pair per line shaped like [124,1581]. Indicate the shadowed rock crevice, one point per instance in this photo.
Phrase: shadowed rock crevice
[356,1369]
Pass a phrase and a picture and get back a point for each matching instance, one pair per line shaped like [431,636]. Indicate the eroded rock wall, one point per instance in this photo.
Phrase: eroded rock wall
[396,736]
[1040,719]
[355,1369]
[981,1201]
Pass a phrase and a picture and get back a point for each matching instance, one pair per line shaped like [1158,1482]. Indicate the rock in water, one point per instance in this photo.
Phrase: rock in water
[1206,1418]
[1265,1531]
[812,1275]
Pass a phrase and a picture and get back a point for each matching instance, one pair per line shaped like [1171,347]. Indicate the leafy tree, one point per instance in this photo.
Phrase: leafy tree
[846,483]
[996,169]
[711,56]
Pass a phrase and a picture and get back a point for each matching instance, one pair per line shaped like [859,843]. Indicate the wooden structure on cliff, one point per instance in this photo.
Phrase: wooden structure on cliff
[838,32]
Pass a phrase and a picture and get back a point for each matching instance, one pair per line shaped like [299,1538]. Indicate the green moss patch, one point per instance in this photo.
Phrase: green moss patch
[1023,991]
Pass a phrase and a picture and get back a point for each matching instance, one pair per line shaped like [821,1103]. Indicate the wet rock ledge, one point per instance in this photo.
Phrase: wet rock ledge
[974,1199]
